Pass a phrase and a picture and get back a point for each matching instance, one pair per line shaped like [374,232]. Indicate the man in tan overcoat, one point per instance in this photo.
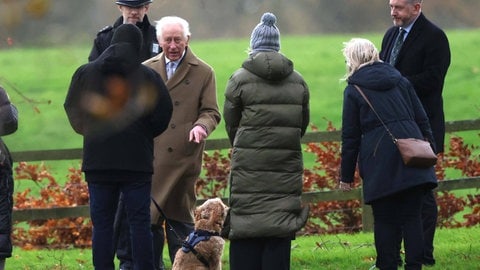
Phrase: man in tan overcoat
[178,151]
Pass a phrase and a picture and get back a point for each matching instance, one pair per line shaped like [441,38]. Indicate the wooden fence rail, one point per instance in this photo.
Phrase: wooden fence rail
[219,144]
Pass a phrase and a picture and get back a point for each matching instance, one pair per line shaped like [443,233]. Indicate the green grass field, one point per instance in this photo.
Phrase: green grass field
[37,80]
[43,76]
[455,249]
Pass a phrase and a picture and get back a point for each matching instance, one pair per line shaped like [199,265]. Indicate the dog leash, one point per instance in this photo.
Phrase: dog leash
[166,219]
[185,243]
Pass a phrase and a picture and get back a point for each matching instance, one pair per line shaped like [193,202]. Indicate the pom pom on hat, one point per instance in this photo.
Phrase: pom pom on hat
[128,33]
[266,36]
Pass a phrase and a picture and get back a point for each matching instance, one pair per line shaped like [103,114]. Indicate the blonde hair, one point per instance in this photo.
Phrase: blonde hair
[359,52]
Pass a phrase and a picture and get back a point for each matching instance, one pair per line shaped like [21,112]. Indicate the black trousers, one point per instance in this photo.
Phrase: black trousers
[399,214]
[429,222]
[122,240]
[174,238]
[260,254]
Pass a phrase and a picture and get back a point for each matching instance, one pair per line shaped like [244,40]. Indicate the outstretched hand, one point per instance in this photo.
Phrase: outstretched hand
[197,134]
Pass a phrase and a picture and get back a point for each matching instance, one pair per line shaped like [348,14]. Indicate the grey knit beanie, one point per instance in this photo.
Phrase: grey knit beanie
[266,36]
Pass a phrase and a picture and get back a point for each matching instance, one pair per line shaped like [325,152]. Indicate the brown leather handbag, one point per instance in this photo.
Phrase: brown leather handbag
[415,152]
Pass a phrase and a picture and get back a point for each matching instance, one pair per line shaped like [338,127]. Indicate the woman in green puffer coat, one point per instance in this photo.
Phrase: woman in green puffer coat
[266,113]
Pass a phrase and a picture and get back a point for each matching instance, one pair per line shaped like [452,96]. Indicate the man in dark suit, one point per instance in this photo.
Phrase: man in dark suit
[424,58]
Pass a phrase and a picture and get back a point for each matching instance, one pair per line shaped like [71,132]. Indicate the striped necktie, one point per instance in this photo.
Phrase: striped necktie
[397,46]
[170,69]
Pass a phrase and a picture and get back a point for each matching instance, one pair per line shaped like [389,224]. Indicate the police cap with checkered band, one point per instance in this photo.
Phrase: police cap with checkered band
[133,3]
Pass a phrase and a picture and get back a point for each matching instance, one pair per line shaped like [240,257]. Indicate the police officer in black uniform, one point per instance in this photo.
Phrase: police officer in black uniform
[135,12]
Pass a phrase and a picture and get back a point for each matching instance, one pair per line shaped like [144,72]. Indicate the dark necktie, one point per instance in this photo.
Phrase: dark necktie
[396,47]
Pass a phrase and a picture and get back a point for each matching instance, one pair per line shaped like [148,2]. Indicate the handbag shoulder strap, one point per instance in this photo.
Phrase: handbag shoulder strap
[374,111]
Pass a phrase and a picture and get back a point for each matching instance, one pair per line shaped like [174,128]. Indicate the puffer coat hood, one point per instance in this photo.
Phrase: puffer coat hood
[368,77]
[269,66]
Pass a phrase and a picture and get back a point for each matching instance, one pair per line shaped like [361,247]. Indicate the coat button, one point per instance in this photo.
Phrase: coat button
[170,149]
[173,125]
[176,103]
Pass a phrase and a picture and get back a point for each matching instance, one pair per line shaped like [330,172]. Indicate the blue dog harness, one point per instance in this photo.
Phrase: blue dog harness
[193,239]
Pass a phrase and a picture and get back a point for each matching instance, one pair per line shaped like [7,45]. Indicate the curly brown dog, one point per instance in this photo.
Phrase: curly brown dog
[203,248]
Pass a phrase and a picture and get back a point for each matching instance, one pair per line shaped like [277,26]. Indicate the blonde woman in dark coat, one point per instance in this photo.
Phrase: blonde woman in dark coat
[394,190]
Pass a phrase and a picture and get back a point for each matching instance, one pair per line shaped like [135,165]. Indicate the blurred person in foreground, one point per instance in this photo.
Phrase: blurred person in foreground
[266,113]
[8,125]
[119,106]
[134,12]
[423,58]
[394,190]
[179,150]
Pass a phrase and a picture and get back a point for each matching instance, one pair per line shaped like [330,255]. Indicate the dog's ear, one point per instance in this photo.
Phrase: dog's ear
[223,207]
[197,214]
[203,211]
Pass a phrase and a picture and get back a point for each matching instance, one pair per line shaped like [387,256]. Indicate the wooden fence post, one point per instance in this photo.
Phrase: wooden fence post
[367,218]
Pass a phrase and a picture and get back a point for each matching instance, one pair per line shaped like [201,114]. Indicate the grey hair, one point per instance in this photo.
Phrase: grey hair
[359,52]
[160,24]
